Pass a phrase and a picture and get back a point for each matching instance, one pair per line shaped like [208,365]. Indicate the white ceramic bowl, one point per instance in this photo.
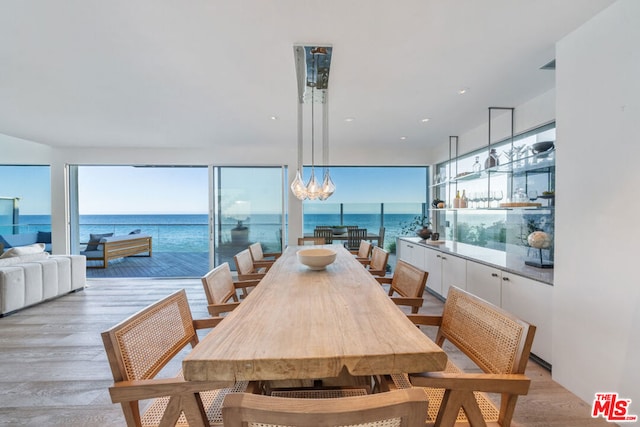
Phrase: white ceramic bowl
[316,258]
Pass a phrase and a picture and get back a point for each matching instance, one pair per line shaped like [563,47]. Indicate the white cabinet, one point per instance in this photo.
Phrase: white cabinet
[433,264]
[532,302]
[444,270]
[412,253]
[485,282]
[454,273]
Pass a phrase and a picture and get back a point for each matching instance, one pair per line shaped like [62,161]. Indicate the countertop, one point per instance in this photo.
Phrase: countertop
[491,257]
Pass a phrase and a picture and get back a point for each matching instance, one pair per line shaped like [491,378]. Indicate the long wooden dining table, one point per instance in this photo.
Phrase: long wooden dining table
[304,324]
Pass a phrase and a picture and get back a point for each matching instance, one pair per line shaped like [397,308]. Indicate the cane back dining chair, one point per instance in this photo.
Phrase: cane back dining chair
[221,290]
[403,408]
[378,263]
[141,346]
[245,267]
[408,282]
[259,256]
[496,341]
[364,251]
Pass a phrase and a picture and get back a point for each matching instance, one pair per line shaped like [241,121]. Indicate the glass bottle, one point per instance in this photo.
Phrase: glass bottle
[463,199]
[476,166]
[492,160]
[456,201]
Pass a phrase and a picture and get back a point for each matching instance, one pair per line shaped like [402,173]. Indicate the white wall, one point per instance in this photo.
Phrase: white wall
[596,340]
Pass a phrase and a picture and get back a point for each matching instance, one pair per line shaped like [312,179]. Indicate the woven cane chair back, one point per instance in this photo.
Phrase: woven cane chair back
[218,285]
[244,262]
[408,281]
[167,324]
[399,408]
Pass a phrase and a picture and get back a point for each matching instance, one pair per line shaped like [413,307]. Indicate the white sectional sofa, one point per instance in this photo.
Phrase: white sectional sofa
[28,279]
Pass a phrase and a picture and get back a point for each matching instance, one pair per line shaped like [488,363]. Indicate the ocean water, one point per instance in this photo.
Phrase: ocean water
[190,233]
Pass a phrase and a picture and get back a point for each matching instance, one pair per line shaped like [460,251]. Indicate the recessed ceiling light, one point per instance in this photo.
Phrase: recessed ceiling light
[425,120]
[463,91]
[273,117]
[349,119]
[403,138]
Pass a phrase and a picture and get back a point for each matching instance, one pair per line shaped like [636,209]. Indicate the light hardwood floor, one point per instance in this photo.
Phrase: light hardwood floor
[53,370]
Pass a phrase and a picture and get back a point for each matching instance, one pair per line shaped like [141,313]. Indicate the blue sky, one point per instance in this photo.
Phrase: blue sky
[176,190]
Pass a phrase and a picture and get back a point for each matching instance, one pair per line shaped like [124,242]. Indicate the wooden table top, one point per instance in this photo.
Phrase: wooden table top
[304,324]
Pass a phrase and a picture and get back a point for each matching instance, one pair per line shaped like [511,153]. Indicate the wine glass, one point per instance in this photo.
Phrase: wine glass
[497,196]
[532,194]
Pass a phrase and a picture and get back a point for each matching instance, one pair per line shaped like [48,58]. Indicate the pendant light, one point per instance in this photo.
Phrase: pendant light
[312,65]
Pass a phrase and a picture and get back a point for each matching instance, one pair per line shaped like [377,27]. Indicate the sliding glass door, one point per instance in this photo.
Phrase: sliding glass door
[249,207]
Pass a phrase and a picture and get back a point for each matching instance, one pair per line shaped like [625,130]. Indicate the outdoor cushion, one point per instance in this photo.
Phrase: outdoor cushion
[44,237]
[23,239]
[94,240]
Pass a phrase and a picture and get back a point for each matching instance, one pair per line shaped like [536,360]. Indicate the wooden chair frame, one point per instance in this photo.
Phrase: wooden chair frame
[246,268]
[134,363]
[378,263]
[496,341]
[408,282]
[409,406]
[221,290]
[259,256]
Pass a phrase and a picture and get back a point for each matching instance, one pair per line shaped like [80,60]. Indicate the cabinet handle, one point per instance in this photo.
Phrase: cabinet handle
[409,246]
[505,279]
[494,274]
[438,256]
[444,257]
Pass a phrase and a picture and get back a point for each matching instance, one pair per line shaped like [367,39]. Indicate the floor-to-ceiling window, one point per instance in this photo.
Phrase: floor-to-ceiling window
[25,199]
[170,204]
[198,217]
[371,197]
[249,208]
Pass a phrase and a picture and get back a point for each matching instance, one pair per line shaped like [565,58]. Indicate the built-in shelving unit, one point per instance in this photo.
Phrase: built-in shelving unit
[505,202]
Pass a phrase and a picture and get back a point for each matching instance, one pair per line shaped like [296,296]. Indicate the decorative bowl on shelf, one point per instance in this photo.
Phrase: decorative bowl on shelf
[541,147]
[316,258]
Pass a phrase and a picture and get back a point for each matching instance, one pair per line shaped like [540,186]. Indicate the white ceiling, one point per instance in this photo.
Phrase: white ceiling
[160,73]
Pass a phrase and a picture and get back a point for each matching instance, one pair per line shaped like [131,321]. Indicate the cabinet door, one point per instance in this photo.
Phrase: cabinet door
[412,253]
[531,301]
[454,273]
[485,282]
[433,265]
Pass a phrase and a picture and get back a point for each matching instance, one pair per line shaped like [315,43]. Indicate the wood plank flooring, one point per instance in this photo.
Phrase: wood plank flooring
[53,370]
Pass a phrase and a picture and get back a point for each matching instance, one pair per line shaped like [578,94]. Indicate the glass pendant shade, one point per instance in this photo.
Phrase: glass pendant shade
[297,187]
[313,186]
[328,187]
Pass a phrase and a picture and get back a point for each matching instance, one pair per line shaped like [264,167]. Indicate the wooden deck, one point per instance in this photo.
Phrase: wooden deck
[163,265]
[53,368]
[160,265]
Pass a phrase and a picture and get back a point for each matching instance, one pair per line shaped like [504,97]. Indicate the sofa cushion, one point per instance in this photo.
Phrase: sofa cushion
[6,262]
[23,239]
[44,237]
[94,240]
[17,251]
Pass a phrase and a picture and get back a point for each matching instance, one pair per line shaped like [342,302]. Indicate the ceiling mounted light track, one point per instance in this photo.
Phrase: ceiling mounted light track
[312,69]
